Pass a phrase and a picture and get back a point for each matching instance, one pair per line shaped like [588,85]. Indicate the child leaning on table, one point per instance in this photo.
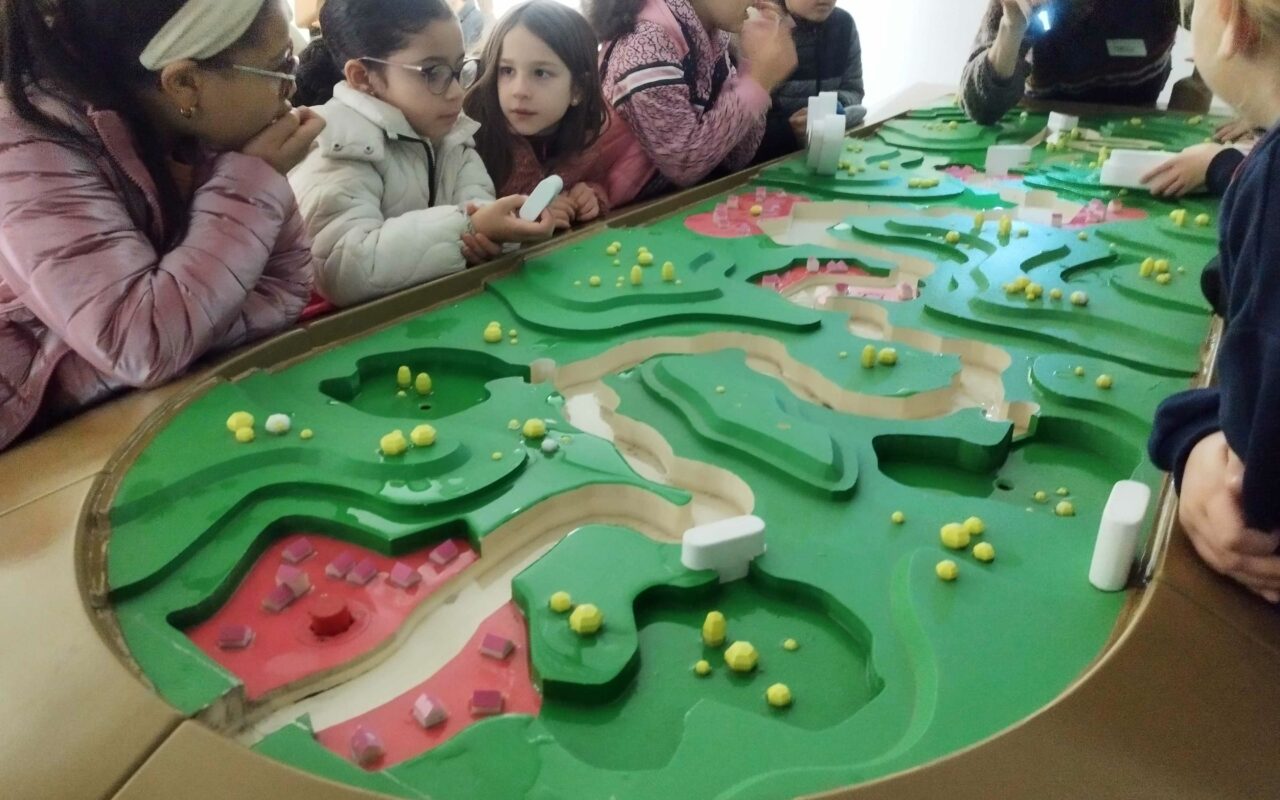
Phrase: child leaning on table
[830,60]
[1221,443]
[145,218]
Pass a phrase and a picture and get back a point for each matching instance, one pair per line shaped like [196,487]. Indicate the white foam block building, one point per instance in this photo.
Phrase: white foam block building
[727,546]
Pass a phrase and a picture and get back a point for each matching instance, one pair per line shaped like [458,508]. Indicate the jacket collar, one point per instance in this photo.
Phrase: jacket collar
[382,114]
[391,120]
[118,142]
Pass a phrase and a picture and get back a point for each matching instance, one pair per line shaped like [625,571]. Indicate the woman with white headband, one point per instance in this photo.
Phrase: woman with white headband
[145,217]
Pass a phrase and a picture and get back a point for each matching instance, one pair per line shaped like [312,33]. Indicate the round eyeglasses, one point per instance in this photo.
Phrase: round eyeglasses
[440,77]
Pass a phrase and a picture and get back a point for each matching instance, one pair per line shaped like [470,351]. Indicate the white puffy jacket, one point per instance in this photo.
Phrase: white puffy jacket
[365,194]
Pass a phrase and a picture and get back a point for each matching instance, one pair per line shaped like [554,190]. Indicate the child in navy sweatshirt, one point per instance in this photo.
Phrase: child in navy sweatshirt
[1222,444]
[830,60]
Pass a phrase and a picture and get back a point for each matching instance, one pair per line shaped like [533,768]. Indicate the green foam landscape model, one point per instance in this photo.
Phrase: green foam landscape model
[894,667]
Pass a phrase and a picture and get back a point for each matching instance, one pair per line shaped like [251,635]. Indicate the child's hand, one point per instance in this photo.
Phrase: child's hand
[1233,131]
[768,50]
[586,206]
[1018,13]
[562,212]
[800,126]
[284,143]
[1209,508]
[478,248]
[1184,173]
[499,221]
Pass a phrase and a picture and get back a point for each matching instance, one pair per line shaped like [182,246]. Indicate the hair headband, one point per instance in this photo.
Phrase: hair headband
[200,29]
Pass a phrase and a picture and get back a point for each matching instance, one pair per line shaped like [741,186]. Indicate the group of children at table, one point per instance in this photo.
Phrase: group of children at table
[162,197]
[176,179]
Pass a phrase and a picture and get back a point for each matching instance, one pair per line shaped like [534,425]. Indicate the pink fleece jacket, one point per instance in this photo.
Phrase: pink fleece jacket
[680,136]
[527,170]
[89,303]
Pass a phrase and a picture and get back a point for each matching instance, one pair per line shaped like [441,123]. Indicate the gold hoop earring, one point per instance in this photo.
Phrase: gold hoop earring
[187,113]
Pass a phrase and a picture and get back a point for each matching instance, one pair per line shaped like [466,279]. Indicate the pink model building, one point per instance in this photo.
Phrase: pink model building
[363,572]
[771,282]
[761,194]
[297,580]
[298,550]
[495,646]
[404,576]
[428,711]
[811,264]
[366,747]
[235,637]
[486,703]
[837,267]
[279,599]
[340,565]
[445,553]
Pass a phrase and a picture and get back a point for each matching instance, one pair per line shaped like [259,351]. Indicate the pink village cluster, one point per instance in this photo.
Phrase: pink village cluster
[1096,212]
[330,615]
[782,282]
[738,215]
[368,748]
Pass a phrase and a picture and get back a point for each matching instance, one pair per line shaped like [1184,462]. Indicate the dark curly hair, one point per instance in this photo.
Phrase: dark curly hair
[612,18]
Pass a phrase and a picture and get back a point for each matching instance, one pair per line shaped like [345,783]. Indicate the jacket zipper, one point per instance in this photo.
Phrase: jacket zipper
[431,174]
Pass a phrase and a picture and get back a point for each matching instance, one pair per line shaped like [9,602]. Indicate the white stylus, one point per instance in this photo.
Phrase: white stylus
[543,195]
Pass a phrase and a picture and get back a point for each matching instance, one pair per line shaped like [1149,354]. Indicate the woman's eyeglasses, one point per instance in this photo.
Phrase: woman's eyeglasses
[440,77]
[288,78]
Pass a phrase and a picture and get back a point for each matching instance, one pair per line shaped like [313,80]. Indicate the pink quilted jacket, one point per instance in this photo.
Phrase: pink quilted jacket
[88,303]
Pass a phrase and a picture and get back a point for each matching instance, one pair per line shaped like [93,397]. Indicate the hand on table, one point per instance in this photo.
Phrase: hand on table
[497,223]
[1184,173]
[586,206]
[1233,131]
[1210,512]
[562,212]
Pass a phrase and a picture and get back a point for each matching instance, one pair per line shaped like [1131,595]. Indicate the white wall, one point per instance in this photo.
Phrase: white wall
[917,41]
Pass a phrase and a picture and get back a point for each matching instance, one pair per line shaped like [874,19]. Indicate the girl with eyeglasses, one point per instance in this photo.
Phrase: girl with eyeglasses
[145,218]
[395,193]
